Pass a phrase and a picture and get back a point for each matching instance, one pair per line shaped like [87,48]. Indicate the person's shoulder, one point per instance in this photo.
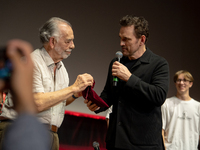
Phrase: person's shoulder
[63,66]
[36,53]
[156,57]
[195,104]
[37,57]
[195,101]
[170,100]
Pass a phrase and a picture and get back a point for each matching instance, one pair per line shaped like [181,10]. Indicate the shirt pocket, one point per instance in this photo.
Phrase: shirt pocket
[48,85]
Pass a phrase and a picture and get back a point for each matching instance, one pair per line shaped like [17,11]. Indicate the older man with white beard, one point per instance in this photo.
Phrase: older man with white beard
[50,84]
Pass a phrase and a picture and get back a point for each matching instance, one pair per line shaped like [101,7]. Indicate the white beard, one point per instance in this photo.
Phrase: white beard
[64,53]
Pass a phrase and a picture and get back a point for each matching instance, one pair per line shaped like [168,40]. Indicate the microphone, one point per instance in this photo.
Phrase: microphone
[96,145]
[119,56]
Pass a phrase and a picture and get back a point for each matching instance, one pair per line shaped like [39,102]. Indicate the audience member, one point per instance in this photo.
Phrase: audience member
[26,132]
[181,116]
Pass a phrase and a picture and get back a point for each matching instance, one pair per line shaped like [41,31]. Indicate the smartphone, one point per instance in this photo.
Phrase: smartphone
[5,65]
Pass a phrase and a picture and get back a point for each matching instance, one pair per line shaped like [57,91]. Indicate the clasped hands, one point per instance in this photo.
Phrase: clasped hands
[118,70]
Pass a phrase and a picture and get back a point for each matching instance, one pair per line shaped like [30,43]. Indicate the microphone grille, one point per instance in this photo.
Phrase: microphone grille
[119,54]
[95,144]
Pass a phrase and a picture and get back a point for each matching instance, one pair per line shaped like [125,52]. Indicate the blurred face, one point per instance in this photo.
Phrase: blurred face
[64,44]
[183,84]
[128,42]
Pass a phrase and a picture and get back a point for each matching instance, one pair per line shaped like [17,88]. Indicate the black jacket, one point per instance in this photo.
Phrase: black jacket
[136,122]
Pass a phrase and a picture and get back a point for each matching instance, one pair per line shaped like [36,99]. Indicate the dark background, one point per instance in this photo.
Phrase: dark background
[174,33]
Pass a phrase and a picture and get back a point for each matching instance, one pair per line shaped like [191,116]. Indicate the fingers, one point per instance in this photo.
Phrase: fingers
[85,101]
[18,48]
[115,68]
[24,46]
[83,81]
[88,78]
[120,71]
[18,52]
[91,105]
[116,63]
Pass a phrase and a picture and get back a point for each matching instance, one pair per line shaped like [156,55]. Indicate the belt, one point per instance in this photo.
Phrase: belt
[6,121]
[52,127]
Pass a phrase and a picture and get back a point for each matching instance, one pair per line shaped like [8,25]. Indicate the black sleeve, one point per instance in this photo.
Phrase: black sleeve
[155,91]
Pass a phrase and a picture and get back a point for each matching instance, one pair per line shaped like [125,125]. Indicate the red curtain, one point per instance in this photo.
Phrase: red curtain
[78,131]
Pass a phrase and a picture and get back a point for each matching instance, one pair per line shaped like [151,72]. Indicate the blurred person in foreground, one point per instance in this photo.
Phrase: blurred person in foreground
[135,122]
[25,132]
[181,116]
[50,79]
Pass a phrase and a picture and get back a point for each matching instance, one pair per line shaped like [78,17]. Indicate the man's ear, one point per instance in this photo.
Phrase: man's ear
[52,42]
[191,83]
[143,39]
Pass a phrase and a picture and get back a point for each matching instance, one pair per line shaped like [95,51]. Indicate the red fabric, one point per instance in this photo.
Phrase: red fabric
[91,95]
[79,114]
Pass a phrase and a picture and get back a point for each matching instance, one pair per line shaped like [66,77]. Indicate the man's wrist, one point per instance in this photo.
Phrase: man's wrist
[74,96]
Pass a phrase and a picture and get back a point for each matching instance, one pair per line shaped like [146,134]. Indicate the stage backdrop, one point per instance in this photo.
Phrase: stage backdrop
[79,130]
[174,33]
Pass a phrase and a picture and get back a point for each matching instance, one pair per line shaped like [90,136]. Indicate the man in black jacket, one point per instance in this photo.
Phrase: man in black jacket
[135,121]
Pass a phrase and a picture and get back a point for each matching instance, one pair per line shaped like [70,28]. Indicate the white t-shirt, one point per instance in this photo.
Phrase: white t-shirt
[181,122]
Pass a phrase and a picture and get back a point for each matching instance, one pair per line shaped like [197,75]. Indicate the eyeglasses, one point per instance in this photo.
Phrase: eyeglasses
[184,80]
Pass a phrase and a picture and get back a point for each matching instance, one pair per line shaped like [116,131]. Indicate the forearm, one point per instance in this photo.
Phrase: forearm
[45,101]
[154,93]
[26,105]
[69,100]
[152,89]
[163,138]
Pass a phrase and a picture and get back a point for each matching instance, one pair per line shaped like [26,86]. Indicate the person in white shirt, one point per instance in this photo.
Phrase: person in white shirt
[50,79]
[181,116]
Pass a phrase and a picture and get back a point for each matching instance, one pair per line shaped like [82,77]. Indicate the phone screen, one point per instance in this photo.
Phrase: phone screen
[5,65]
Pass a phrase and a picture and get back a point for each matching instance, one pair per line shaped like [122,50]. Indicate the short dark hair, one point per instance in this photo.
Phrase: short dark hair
[141,26]
[50,28]
[187,75]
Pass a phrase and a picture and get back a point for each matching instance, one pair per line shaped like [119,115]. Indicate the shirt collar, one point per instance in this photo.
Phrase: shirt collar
[145,58]
[48,60]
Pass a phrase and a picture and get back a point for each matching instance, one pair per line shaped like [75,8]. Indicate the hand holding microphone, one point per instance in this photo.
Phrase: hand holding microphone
[119,70]
[119,56]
